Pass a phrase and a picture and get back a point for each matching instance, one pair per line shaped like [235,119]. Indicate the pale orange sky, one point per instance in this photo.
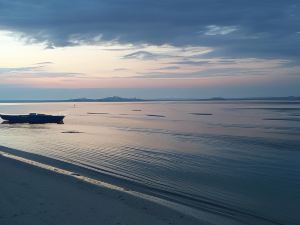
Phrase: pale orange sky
[125,66]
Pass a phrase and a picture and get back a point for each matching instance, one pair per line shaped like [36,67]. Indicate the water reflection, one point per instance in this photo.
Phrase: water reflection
[225,158]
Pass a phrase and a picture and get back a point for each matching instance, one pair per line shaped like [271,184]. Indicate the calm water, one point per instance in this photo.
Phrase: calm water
[242,162]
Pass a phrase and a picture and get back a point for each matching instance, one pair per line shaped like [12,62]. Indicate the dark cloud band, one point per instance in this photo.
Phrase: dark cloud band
[234,27]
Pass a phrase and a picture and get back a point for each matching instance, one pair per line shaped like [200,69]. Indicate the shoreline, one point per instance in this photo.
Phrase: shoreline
[100,178]
[36,193]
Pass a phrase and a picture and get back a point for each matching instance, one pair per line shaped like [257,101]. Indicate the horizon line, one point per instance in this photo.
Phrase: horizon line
[135,99]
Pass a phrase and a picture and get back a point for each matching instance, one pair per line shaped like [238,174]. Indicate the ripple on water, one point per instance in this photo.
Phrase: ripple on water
[227,166]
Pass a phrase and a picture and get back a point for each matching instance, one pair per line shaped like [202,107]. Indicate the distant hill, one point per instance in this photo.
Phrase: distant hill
[120,99]
[108,99]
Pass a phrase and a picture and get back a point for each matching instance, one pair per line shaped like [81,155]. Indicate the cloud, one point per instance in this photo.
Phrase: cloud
[38,70]
[34,68]
[190,62]
[234,28]
[170,68]
[47,74]
[142,55]
[6,70]
[44,63]
[217,30]
[214,72]
[167,52]
[120,69]
[225,68]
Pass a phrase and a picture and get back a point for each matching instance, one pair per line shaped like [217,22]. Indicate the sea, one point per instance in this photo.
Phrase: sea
[233,162]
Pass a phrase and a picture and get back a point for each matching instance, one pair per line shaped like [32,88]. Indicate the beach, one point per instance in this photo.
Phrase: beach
[31,195]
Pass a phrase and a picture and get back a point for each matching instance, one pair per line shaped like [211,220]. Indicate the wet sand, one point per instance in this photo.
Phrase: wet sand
[32,195]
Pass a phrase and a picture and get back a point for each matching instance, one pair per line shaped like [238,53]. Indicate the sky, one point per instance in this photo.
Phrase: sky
[56,49]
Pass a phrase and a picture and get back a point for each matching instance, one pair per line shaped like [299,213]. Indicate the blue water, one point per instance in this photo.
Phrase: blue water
[237,160]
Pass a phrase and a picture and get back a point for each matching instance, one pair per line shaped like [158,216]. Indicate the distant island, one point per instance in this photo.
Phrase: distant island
[108,99]
[121,99]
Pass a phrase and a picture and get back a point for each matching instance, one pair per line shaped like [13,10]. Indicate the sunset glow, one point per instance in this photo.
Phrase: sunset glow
[214,56]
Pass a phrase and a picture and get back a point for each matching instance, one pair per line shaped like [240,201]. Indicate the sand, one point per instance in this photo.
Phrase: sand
[30,195]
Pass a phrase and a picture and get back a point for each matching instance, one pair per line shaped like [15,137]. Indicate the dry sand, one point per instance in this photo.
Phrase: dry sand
[35,196]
